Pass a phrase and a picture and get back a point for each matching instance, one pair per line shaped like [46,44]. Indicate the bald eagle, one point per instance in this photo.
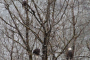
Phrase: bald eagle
[36,51]
[24,3]
[69,53]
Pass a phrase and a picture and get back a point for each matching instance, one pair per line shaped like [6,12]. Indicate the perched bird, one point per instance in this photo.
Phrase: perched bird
[69,53]
[36,51]
[24,3]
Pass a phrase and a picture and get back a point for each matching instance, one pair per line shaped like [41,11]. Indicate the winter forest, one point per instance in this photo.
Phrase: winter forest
[44,29]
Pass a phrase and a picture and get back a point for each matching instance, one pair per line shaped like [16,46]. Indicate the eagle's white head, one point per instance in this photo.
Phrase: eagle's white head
[69,49]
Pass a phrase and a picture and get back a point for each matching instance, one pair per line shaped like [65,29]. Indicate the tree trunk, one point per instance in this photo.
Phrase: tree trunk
[27,34]
[53,58]
[44,48]
[30,57]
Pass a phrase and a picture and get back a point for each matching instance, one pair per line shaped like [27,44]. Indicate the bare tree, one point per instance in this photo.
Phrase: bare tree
[51,26]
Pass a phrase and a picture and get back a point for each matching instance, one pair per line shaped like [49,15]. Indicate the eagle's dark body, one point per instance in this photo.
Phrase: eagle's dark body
[24,3]
[69,55]
[36,51]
